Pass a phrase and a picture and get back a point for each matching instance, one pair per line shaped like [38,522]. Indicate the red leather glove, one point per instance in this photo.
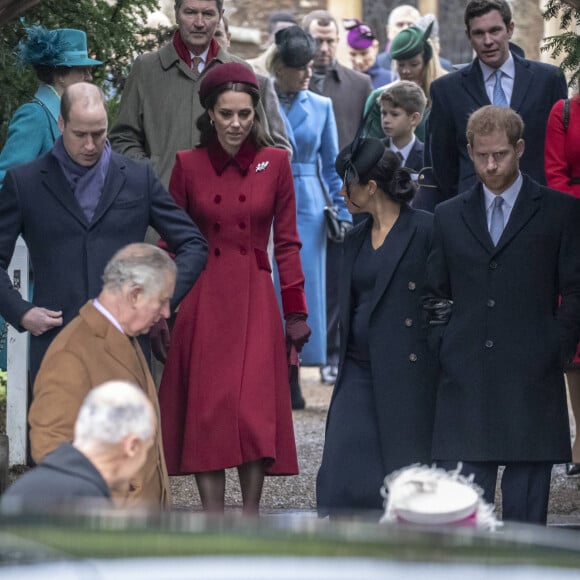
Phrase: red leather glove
[159,337]
[297,331]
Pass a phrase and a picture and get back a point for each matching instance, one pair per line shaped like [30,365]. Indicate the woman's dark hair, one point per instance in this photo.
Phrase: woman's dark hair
[47,74]
[207,130]
[390,177]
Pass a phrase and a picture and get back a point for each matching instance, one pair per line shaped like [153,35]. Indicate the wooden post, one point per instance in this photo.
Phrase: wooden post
[17,345]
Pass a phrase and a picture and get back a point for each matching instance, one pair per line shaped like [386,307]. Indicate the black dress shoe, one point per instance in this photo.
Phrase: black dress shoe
[572,469]
[328,374]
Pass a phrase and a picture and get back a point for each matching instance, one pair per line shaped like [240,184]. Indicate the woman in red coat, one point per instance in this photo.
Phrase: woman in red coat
[224,396]
[562,164]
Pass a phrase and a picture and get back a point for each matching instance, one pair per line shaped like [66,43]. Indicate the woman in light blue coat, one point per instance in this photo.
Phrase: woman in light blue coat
[311,129]
[59,58]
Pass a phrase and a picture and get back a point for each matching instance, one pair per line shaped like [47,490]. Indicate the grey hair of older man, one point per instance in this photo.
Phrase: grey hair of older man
[111,412]
[140,264]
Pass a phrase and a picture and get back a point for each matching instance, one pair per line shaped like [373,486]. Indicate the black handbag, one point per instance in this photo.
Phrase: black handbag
[334,232]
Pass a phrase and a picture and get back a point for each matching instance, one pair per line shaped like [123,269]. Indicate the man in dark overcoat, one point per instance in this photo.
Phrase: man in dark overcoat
[75,207]
[503,253]
[527,86]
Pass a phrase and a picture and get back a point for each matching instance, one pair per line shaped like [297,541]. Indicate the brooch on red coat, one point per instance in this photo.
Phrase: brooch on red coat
[262,166]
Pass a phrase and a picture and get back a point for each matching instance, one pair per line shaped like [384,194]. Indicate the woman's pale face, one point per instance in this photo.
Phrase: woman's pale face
[411,69]
[292,80]
[233,117]
[75,74]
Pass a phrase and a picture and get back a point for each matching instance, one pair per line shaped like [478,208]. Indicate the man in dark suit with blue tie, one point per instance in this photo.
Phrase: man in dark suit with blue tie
[75,207]
[502,254]
[495,76]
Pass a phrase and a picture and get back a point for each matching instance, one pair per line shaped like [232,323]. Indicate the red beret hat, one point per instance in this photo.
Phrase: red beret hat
[220,74]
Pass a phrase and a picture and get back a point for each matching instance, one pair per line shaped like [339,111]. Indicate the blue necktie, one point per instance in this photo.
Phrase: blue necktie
[499,97]
[496,224]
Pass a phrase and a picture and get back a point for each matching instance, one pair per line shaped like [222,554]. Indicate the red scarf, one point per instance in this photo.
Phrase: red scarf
[185,55]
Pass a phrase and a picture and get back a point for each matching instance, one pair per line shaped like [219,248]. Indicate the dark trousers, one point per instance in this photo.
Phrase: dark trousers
[525,487]
[333,258]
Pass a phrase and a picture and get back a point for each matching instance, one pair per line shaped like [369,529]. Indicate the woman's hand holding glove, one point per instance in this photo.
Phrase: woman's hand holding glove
[297,331]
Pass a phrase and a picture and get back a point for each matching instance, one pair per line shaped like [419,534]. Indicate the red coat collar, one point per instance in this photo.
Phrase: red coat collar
[220,158]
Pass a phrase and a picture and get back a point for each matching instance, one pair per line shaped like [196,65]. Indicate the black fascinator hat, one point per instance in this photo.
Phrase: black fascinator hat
[295,46]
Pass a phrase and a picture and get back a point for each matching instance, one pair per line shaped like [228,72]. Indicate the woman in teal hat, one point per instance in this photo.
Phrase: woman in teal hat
[59,58]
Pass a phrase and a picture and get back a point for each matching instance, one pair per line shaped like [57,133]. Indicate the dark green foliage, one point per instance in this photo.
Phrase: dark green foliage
[566,44]
[115,36]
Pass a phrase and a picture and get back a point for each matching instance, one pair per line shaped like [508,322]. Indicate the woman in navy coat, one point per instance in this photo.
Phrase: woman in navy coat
[381,413]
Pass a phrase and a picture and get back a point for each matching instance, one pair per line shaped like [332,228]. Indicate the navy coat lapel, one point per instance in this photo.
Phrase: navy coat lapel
[113,184]
[54,180]
[527,204]
[522,83]
[351,249]
[473,214]
[473,83]
[398,240]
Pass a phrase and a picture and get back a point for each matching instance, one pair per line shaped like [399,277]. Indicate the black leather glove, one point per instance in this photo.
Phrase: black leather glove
[297,331]
[437,310]
[159,337]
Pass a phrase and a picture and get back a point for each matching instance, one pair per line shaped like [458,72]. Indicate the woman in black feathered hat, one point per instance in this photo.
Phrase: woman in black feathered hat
[381,413]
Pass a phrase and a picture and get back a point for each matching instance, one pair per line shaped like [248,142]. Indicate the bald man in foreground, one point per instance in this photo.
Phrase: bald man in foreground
[75,207]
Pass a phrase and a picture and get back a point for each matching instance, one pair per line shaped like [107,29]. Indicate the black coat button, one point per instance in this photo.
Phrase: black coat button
[489,343]
[490,303]
[413,357]
[411,285]
[493,265]
[408,322]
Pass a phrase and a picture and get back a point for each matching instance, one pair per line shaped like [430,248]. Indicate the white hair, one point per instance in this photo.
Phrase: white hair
[141,264]
[112,411]
[403,11]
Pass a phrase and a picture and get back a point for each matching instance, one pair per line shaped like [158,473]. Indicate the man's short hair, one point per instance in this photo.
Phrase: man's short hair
[406,95]
[403,11]
[111,412]
[74,93]
[322,17]
[477,8]
[491,119]
[219,4]
[139,264]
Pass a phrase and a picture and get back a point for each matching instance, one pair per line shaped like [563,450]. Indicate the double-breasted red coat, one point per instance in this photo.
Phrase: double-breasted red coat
[224,396]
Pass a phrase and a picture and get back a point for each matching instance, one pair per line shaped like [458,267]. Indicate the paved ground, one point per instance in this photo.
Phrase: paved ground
[297,493]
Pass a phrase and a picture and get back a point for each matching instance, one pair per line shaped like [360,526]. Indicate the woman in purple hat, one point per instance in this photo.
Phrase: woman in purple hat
[363,50]
[224,394]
